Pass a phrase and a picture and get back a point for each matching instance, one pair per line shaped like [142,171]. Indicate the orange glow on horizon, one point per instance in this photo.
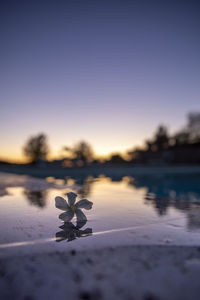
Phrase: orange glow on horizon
[102,154]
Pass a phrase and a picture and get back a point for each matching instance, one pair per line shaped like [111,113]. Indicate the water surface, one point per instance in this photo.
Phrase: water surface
[128,210]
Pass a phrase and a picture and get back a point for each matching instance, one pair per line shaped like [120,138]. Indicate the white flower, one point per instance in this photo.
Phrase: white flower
[71,208]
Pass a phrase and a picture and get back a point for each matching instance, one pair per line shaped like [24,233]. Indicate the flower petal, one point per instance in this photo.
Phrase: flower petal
[87,231]
[80,215]
[71,236]
[66,216]
[80,224]
[61,236]
[67,226]
[71,198]
[61,203]
[84,203]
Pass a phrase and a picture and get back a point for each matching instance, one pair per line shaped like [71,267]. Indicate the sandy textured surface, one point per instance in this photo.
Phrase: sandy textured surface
[131,272]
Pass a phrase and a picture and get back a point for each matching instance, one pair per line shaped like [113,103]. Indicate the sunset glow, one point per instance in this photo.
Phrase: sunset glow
[111,82]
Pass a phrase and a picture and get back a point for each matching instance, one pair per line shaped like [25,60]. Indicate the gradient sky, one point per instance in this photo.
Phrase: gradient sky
[105,71]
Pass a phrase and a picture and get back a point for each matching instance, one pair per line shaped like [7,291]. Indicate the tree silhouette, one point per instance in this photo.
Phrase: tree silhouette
[181,138]
[83,151]
[191,132]
[36,148]
[116,159]
[194,126]
[161,140]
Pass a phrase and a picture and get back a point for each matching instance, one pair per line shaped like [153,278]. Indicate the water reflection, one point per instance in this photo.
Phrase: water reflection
[3,192]
[83,184]
[70,232]
[181,192]
[37,198]
[161,192]
[194,217]
[184,187]
[160,204]
[178,187]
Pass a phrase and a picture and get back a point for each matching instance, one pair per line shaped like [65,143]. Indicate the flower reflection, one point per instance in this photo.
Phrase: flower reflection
[70,232]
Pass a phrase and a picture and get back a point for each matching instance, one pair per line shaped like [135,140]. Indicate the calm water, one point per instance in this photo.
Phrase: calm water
[128,210]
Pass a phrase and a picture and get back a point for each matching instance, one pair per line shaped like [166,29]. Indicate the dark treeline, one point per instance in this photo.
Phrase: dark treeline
[183,147]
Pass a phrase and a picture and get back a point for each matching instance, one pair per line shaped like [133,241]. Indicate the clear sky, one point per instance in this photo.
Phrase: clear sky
[104,71]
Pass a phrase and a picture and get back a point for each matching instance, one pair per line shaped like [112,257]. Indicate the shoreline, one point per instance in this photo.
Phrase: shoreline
[108,171]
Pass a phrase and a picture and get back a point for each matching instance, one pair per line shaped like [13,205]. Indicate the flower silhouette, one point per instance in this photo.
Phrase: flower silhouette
[70,232]
[71,208]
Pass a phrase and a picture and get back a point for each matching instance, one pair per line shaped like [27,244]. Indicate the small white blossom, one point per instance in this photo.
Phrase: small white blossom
[71,208]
